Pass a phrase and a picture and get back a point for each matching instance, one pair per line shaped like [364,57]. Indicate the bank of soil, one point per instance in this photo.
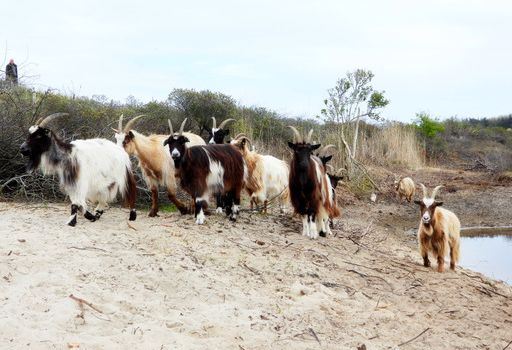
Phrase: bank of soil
[166,283]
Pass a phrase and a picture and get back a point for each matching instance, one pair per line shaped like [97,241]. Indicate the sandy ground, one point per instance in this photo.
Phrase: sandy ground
[166,283]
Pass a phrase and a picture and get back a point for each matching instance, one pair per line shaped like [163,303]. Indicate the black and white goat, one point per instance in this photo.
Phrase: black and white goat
[90,171]
[208,169]
[218,134]
[310,189]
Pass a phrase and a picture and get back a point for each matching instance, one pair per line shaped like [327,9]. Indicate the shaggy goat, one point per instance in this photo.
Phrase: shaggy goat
[90,171]
[267,176]
[439,229]
[208,169]
[405,188]
[310,188]
[217,134]
[154,160]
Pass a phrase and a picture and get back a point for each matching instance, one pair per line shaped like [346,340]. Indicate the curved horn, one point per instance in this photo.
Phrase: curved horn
[214,126]
[436,189]
[310,133]
[120,123]
[296,134]
[224,122]
[43,122]
[425,194]
[325,148]
[239,135]
[182,126]
[128,125]
[170,126]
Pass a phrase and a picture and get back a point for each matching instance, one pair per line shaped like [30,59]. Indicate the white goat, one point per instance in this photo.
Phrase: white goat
[90,171]
[267,175]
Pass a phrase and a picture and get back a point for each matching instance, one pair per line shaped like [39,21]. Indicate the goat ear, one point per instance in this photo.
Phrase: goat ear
[313,147]
[166,142]
[417,202]
[291,145]
[326,159]
[185,139]
[438,204]
[130,134]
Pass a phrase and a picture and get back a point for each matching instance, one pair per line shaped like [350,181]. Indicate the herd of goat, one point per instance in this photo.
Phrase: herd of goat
[93,172]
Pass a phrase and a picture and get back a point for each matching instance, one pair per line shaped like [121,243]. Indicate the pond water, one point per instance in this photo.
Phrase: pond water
[487,253]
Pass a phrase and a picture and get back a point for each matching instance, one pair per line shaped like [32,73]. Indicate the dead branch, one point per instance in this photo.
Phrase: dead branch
[416,337]
[88,248]
[81,302]
[312,331]
[510,342]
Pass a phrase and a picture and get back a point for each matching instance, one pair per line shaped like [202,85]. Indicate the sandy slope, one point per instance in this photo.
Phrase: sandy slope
[255,284]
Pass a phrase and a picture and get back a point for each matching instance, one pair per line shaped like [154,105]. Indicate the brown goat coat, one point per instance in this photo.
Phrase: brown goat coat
[442,233]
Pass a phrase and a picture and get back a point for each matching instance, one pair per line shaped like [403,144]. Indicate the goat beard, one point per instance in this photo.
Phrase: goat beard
[32,164]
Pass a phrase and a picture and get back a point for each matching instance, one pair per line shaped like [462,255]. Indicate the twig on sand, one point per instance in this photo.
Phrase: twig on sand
[88,248]
[416,337]
[510,342]
[81,302]
[256,272]
[312,331]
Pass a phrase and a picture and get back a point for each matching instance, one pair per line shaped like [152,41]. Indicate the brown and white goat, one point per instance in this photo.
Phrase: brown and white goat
[405,188]
[208,169]
[310,188]
[91,172]
[439,229]
[154,160]
[267,176]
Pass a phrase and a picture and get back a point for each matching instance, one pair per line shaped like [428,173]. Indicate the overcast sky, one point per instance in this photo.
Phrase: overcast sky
[446,57]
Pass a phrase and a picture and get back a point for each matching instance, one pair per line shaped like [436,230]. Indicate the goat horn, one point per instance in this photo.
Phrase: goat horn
[296,134]
[310,133]
[214,126]
[331,168]
[120,123]
[170,126]
[224,122]
[436,189]
[325,148]
[182,126]
[425,194]
[43,122]
[128,125]
[239,135]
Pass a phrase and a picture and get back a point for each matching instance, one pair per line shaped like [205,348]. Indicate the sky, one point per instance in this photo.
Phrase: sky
[444,57]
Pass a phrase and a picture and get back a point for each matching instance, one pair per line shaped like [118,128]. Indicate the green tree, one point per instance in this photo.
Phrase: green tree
[351,100]
[200,106]
[428,126]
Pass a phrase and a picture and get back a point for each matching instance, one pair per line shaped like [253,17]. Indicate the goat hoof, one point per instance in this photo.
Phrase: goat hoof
[323,234]
[133,215]
[72,222]
[232,218]
[89,216]
[152,213]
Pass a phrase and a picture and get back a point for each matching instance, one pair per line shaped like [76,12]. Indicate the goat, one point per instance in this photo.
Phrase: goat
[206,169]
[405,188]
[310,188]
[154,161]
[217,134]
[90,171]
[267,176]
[438,229]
